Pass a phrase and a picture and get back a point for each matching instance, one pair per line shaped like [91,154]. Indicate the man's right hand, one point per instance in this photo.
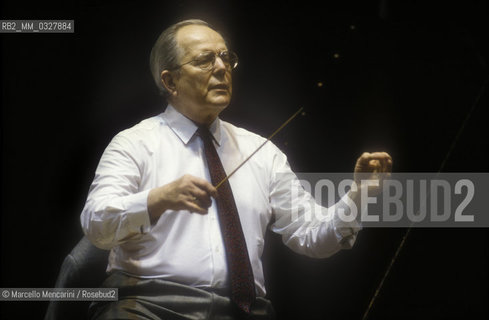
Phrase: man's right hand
[187,193]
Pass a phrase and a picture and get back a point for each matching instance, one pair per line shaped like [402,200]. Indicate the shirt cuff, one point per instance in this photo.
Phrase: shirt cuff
[346,222]
[137,216]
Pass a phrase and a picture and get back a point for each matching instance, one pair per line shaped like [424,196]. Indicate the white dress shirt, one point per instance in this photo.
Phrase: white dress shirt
[187,247]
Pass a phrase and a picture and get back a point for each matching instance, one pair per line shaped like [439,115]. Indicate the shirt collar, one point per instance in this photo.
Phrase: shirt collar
[185,128]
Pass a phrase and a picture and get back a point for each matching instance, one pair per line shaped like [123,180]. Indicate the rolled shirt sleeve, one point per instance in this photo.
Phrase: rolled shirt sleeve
[116,210]
[305,226]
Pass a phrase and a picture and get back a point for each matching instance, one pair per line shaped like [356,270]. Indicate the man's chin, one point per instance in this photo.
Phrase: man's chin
[220,102]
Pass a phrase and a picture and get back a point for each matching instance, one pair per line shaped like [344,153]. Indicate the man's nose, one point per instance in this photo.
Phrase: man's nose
[219,64]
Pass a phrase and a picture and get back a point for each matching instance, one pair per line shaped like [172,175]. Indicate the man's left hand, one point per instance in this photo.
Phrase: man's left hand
[373,166]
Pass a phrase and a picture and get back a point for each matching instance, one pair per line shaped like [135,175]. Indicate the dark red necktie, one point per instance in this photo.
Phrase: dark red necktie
[239,267]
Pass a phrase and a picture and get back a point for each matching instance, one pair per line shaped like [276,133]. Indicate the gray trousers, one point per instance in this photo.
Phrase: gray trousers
[159,299]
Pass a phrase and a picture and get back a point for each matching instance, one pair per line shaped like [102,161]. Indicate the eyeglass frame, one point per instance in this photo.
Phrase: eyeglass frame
[213,65]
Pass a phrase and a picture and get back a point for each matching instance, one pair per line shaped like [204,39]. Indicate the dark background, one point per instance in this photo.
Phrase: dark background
[399,76]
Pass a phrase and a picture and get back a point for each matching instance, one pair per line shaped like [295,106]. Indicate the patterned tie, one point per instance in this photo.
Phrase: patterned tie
[239,267]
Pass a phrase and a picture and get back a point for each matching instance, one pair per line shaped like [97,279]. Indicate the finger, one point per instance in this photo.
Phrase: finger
[202,203]
[364,159]
[385,165]
[386,160]
[202,198]
[206,186]
[389,164]
[369,161]
[192,206]
[375,155]
[202,195]
[374,166]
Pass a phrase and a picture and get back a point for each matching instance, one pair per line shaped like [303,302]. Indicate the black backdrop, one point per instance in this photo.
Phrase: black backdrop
[372,75]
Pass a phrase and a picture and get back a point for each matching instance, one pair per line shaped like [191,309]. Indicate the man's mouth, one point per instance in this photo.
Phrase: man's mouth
[220,86]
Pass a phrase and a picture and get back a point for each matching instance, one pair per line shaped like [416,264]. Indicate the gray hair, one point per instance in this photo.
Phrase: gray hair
[166,52]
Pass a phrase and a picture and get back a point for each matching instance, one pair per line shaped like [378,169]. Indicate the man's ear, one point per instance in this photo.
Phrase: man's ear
[167,79]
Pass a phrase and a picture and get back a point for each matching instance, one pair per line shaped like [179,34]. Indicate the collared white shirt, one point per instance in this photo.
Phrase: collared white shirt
[187,247]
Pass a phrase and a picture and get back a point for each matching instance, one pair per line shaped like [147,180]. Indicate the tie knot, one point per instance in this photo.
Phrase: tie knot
[204,133]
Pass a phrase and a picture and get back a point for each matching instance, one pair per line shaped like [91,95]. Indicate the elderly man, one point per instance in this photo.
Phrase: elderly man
[180,247]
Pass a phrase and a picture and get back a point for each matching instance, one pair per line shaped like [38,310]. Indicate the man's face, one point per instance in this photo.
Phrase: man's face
[201,93]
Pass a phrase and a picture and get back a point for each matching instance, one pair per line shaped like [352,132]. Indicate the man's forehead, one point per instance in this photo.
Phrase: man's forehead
[198,37]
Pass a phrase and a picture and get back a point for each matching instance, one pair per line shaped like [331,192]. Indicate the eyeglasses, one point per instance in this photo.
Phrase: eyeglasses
[207,60]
